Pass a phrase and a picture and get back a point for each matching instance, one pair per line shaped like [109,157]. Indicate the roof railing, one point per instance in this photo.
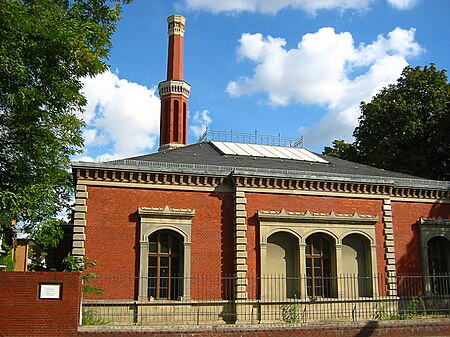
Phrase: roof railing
[250,138]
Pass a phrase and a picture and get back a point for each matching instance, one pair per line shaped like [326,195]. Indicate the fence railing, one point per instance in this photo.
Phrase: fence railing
[270,299]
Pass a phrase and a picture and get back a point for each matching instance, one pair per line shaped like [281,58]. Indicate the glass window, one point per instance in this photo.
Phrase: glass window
[438,261]
[164,265]
[320,281]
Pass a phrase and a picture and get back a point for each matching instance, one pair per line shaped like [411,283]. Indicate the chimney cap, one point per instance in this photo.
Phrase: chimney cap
[176,18]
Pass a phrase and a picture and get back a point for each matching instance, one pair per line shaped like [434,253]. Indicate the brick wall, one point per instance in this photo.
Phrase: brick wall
[416,328]
[406,232]
[22,313]
[113,226]
[113,222]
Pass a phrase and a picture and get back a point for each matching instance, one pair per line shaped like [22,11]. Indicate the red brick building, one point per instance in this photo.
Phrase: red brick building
[249,209]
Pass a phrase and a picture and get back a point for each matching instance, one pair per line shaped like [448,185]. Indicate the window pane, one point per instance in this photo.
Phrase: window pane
[152,272]
[164,237]
[164,248]
[308,248]
[152,261]
[175,249]
[316,250]
[165,265]
[164,262]
[153,247]
[163,293]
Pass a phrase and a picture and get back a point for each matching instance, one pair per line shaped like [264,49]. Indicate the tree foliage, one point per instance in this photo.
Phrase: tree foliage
[343,150]
[405,128]
[46,48]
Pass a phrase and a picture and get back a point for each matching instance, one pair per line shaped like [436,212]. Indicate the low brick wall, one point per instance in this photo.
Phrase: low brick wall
[24,313]
[411,328]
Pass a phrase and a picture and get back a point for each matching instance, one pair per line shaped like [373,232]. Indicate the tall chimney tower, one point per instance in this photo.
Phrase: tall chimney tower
[174,92]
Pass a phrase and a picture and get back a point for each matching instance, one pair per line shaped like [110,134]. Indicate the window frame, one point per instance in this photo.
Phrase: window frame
[173,292]
[173,219]
[326,264]
[430,228]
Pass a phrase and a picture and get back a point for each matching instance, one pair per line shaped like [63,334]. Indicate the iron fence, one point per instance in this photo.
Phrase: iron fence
[268,299]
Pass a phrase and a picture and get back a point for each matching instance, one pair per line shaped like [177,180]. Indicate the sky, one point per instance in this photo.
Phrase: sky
[295,68]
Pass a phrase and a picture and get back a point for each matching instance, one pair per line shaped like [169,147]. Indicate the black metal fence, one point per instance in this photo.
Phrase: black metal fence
[272,299]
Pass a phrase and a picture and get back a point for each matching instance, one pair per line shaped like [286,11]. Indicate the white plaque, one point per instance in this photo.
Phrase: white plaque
[49,291]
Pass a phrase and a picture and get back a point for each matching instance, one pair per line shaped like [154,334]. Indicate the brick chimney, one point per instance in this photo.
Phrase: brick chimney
[174,92]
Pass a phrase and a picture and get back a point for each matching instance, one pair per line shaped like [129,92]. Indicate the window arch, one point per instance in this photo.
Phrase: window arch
[176,121]
[438,264]
[165,267]
[325,241]
[184,138]
[320,266]
[165,121]
[155,223]
[438,259]
[435,241]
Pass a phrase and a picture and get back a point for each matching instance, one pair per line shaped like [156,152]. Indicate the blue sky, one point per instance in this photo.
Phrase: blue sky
[281,67]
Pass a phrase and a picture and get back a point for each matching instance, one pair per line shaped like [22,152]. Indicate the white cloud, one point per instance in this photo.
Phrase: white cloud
[199,122]
[402,4]
[325,69]
[272,6]
[92,137]
[122,117]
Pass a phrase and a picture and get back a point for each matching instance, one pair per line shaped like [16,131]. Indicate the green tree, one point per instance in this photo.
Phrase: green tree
[405,128]
[46,48]
[342,150]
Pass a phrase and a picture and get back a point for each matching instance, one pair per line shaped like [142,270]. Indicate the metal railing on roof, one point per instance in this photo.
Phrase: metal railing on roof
[250,138]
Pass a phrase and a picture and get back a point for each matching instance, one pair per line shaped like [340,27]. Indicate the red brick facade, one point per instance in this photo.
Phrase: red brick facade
[113,224]
[112,237]
[406,232]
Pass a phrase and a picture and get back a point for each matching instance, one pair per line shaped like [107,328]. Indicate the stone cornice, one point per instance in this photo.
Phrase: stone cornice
[309,216]
[435,221]
[166,212]
[174,87]
[161,173]
[348,187]
[145,177]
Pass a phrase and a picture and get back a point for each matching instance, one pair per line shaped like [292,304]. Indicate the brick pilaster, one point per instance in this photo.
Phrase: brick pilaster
[79,225]
[240,245]
[389,247]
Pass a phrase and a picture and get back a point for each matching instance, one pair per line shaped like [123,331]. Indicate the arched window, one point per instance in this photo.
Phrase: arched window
[320,274]
[185,122]
[176,121]
[165,274]
[438,262]
[165,121]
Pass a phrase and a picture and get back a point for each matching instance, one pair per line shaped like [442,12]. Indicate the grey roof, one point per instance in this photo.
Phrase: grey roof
[206,154]
[205,158]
